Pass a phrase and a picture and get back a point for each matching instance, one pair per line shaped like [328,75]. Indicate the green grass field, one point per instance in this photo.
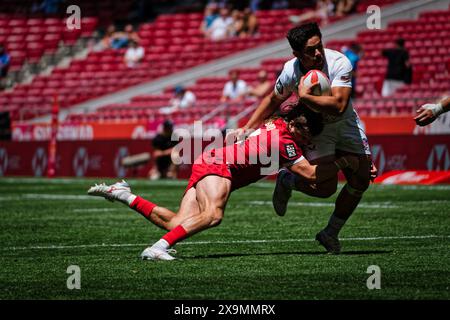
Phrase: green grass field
[47,226]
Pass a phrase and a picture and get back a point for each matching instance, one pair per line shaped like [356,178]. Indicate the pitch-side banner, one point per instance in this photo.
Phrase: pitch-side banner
[144,130]
[103,158]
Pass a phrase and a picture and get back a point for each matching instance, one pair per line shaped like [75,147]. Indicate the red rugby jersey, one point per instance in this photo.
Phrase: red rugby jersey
[261,154]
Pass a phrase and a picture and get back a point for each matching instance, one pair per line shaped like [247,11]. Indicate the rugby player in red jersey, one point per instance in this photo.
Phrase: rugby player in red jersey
[219,172]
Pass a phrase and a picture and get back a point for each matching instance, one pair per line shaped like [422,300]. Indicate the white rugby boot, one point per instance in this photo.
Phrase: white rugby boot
[155,253]
[120,191]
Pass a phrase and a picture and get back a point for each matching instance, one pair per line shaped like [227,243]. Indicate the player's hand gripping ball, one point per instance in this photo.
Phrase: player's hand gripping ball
[315,83]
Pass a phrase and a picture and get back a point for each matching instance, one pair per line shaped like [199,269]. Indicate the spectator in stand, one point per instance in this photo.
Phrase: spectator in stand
[324,9]
[107,40]
[245,23]
[261,89]
[221,28]
[4,62]
[209,17]
[237,28]
[133,55]
[235,89]
[279,4]
[182,98]
[345,7]
[131,34]
[120,39]
[49,7]
[354,53]
[398,67]
[162,149]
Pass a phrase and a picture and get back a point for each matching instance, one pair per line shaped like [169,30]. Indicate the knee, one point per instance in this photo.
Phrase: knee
[360,183]
[357,188]
[326,190]
[214,217]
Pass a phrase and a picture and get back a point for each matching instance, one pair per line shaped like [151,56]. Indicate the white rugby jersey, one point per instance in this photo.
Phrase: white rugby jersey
[338,69]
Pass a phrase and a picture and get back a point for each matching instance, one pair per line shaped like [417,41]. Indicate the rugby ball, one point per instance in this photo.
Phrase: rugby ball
[313,76]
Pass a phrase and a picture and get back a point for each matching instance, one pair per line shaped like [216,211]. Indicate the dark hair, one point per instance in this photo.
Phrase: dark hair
[298,36]
[355,47]
[299,109]
[167,125]
[400,42]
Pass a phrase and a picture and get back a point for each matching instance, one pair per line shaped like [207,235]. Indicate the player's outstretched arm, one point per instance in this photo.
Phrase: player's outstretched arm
[266,108]
[429,112]
[322,172]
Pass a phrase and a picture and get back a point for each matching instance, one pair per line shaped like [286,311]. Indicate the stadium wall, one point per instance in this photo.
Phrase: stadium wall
[103,158]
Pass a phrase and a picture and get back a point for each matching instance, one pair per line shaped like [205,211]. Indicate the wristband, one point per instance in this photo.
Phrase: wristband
[437,109]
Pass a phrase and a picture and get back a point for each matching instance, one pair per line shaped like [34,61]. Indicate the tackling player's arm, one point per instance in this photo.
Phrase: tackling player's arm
[429,112]
[322,172]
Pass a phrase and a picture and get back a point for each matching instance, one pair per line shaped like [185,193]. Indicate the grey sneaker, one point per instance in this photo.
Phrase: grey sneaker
[330,243]
[281,194]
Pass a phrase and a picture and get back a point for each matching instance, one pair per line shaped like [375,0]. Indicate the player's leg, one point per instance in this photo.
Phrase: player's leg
[288,181]
[121,192]
[350,195]
[352,141]
[212,194]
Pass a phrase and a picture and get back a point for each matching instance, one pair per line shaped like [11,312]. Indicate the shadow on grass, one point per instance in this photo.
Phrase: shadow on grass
[312,253]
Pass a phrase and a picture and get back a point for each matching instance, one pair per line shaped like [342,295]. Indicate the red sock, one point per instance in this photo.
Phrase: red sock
[175,235]
[143,206]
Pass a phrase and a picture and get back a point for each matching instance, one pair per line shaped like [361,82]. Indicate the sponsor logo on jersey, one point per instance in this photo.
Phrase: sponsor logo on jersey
[290,150]
[279,87]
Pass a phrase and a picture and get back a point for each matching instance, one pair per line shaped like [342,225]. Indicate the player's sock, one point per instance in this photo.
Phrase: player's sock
[161,244]
[175,235]
[334,226]
[141,205]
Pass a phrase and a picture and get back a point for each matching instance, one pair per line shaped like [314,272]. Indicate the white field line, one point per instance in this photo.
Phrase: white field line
[369,205]
[375,205]
[98,210]
[114,245]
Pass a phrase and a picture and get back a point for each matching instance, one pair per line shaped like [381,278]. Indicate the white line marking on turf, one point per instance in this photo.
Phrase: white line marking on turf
[97,210]
[46,196]
[115,245]
[376,205]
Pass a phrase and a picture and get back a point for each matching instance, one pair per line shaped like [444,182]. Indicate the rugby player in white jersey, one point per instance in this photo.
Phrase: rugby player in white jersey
[342,133]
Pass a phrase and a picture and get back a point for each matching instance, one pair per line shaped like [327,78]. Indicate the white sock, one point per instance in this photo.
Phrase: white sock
[335,225]
[161,244]
[130,199]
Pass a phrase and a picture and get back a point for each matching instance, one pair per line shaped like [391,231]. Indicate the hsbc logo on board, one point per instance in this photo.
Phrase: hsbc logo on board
[80,162]
[3,161]
[378,158]
[120,170]
[439,158]
[39,162]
